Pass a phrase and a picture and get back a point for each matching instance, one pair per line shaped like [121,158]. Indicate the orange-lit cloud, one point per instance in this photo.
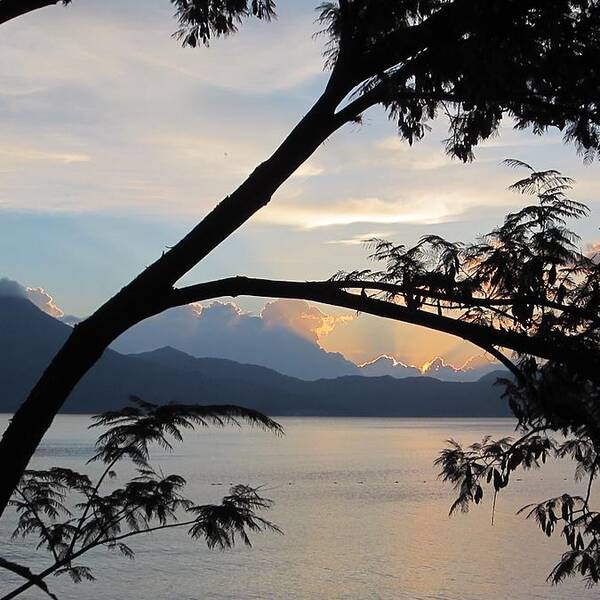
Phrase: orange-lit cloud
[37,295]
[44,301]
[362,239]
[367,337]
[301,318]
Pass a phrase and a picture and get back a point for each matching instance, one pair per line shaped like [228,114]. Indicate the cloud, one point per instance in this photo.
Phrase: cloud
[362,238]
[44,301]
[150,125]
[473,369]
[411,157]
[388,365]
[592,251]
[427,210]
[286,336]
[26,154]
[38,296]
[309,169]
[283,337]
[301,318]
[97,42]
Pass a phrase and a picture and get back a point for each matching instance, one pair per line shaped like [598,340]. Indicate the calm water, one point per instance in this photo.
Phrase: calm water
[363,514]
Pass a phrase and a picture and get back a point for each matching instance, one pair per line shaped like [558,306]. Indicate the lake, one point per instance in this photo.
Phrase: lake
[363,513]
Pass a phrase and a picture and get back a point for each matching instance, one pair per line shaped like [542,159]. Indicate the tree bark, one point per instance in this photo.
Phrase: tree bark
[11,9]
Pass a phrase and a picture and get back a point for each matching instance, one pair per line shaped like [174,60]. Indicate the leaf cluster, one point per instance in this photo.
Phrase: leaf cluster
[202,20]
[528,275]
[70,515]
[490,463]
[475,62]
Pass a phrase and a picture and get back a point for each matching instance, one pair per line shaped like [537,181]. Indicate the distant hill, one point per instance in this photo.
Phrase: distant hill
[220,330]
[29,338]
[274,340]
[438,368]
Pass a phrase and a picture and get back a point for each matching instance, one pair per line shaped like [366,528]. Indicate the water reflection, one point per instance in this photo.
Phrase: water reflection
[363,513]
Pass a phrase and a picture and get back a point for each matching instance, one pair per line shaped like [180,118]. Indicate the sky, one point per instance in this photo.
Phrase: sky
[116,141]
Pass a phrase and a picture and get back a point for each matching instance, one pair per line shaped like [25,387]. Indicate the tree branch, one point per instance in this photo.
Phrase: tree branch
[130,305]
[509,364]
[327,292]
[461,300]
[25,572]
[38,579]
[11,9]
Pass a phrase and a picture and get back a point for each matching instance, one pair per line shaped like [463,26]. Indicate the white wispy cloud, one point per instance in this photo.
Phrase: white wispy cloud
[427,211]
[362,238]
[27,153]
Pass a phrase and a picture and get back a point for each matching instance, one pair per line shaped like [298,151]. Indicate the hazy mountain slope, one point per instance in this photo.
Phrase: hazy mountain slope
[358,395]
[29,338]
[222,331]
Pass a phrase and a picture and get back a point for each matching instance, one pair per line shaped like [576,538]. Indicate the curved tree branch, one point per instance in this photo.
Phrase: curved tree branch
[26,573]
[461,300]
[11,9]
[327,292]
[509,364]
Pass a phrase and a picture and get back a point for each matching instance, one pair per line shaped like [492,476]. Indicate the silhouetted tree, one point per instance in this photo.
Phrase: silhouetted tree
[199,20]
[475,62]
[526,286]
[70,514]
[549,403]
[528,277]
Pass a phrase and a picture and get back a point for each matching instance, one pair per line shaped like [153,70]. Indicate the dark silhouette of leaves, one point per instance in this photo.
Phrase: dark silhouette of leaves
[219,525]
[70,515]
[202,20]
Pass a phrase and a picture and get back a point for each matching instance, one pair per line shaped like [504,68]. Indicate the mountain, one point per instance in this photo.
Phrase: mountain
[29,338]
[352,395]
[387,365]
[438,368]
[221,330]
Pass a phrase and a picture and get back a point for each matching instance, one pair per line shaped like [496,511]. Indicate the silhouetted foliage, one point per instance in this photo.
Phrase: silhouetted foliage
[201,20]
[490,463]
[474,62]
[69,514]
[527,275]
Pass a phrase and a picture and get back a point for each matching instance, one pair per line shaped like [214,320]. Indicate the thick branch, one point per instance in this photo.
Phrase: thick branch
[509,364]
[461,300]
[449,23]
[328,293]
[11,9]
[25,572]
